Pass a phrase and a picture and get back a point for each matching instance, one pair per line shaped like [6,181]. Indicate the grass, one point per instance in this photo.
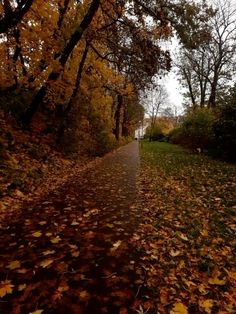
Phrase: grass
[189,199]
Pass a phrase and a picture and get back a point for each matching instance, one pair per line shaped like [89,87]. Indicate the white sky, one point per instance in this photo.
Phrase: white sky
[171,82]
[174,89]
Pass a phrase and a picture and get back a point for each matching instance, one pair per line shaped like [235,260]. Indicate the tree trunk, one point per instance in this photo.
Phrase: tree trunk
[212,98]
[12,18]
[125,129]
[63,57]
[67,110]
[17,55]
[188,79]
[118,117]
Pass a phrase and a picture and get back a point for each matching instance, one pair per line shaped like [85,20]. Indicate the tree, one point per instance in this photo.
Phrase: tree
[153,101]
[62,57]
[65,53]
[205,69]
[11,17]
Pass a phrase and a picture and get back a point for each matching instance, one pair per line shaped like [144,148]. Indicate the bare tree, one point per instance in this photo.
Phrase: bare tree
[207,69]
[153,100]
[223,47]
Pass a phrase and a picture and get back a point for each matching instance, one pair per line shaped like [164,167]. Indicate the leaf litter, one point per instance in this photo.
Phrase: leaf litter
[173,254]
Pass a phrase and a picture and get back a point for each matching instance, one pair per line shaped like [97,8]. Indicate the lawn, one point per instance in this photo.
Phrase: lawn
[187,236]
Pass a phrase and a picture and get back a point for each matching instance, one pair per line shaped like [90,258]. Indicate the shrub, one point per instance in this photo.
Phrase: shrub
[154,133]
[176,136]
[225,132]
[195,130]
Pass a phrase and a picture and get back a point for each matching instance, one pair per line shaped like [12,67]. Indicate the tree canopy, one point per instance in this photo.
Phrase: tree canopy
[70,58]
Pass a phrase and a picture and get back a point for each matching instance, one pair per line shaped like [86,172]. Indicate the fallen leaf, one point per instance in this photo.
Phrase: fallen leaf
[216,281]
[206,305]
[42,223]
[183,237]
[57,296]
[174,253]
[164,296]
[116,245]
[37,312]
[48,252]
[231,274]
[55,240]
[37,234]
[204,232]
[21,287]
[5,288]
[203,289]
[84,295]
[109,225]
[13,265]
[73,246]
[63,288]
[75,253]
[179,308]
[45,263]
[22,271]
[74,223]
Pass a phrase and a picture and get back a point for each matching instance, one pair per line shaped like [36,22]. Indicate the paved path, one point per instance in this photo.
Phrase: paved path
[71,253]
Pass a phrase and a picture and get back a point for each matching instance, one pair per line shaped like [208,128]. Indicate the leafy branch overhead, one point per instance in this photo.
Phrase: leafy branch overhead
[43,61]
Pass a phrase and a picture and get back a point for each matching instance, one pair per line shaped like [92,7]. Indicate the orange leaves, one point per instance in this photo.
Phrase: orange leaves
[84,296]
[45,263]
[37,234]
[206,305]
[216,279]
[14,265]
[5,288]
[164,296]
[22,287]
[55,240]
[59,292]
[179,308]
[48,252]
[190,233]
[116,245]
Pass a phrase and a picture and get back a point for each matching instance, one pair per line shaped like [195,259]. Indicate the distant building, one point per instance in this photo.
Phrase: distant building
[140,132]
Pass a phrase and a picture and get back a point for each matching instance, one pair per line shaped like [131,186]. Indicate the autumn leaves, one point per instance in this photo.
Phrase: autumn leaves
[187,234]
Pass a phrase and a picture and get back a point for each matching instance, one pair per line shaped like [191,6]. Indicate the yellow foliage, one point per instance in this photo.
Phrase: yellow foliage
[179,308]
[5,288]
[13,265]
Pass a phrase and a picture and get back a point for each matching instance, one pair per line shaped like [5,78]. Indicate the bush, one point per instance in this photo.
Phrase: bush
[154,133]
[225,132]
[176,136]
[196,130]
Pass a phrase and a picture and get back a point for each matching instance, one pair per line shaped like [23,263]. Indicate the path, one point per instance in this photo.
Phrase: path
[71,253]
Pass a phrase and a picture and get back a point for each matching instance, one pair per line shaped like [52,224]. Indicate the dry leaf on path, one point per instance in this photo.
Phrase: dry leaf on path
[116,245]
[37,234]
[55,240]
[179,308]
[45,263]
[5,288]
[14,265]
[206,305]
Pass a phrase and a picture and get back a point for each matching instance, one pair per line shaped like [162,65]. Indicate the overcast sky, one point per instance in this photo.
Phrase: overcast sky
[171,82]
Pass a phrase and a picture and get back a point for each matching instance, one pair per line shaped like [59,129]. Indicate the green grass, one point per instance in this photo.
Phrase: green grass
[189,200]
[175,160]
[192,181]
